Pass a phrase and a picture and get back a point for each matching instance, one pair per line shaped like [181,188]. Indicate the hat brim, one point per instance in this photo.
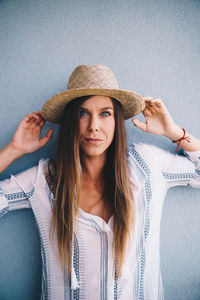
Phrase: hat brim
[132,102]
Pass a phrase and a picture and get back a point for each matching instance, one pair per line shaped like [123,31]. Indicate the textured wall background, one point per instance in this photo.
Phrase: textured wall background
[153,48]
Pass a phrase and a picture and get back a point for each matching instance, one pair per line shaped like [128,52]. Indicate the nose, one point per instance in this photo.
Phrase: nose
[94,124]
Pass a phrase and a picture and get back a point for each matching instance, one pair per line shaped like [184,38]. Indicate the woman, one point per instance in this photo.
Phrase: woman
[98,206]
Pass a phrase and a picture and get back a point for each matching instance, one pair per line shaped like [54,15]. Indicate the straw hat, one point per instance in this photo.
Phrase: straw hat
[92,80]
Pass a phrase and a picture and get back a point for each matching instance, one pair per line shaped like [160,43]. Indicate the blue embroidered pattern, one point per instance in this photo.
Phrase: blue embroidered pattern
[148,197]
[26,196]
[3,211]
[44,295]
[148,194]
[104,260]
[139,159]
[76,267]
[142,268]
[20,195]
[170,176]
[115,284]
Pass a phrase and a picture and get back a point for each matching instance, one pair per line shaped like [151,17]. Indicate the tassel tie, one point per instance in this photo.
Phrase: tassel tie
[75,284]
[187,138]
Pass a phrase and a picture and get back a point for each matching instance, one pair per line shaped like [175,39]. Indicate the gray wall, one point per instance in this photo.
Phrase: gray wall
[153,48]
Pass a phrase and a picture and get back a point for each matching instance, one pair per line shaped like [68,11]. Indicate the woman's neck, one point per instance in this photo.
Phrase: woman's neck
[92,167]
[92,198]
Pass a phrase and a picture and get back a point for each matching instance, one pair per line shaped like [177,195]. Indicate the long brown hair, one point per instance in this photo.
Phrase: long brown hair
[63,178]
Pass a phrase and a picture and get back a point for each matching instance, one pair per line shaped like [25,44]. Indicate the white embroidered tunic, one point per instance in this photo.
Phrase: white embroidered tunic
[153,171]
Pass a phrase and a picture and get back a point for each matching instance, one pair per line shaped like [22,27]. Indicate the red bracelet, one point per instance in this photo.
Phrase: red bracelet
[187,138]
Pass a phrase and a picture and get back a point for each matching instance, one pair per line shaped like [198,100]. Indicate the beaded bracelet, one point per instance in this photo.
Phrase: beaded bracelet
[187,138]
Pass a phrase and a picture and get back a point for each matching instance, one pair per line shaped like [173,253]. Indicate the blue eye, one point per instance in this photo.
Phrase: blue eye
[83,113]
[106,113]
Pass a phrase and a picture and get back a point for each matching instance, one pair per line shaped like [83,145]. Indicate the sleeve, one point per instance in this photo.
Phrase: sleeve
[15,192]
[179,170]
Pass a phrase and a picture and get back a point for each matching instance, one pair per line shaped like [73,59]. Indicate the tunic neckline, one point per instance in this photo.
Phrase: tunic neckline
[100,221]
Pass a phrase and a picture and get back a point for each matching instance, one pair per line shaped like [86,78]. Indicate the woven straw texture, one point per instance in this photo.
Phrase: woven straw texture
[92,80]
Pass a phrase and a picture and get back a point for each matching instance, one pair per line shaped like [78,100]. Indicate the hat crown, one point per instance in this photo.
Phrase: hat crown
[92,77]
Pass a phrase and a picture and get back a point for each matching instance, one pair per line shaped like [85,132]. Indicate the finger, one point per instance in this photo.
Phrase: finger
[157,103]
[139,124]
[34,120]
[152,100]
[37,120]
[154,104]
[40,121]
[46,138]
[155,100]
[38,112]
[147,98]
[28,117]
[50,133]
[148,103]
[36,115]
[27,121]
[41,124]
[147,113]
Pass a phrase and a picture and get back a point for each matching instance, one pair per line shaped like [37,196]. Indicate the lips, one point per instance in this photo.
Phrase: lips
[93,140]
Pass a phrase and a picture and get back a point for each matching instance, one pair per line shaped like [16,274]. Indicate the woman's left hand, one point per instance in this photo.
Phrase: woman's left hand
[158,119]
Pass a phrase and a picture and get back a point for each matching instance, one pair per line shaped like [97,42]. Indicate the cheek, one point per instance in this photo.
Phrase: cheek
[82,126]
[111,131]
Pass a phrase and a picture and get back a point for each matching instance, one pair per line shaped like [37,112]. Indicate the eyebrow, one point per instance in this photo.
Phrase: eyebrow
[103,108]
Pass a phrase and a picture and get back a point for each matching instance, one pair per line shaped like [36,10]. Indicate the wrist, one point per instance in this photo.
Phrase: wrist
[7,156]
[175,133]
[12,151]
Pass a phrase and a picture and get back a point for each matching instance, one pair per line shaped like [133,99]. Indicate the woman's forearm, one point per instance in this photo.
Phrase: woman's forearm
[159,121]
[176,133]
[25,140]
[8,155]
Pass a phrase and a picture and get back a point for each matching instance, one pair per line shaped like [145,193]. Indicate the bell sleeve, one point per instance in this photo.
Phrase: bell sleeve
[171,169]
[15,192]
[182,169]
[177,169]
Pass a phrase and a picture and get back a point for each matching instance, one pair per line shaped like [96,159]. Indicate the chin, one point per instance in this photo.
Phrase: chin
[92,152]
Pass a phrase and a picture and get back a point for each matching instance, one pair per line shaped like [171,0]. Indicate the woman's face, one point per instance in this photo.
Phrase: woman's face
[96,125]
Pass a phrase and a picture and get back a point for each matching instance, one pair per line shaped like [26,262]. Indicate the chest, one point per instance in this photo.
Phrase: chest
[93,257]
[93,201]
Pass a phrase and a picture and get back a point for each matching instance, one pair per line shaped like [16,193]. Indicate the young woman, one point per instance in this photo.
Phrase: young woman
[98,206]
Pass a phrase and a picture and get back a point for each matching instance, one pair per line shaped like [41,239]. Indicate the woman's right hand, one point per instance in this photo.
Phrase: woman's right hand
[27,136]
